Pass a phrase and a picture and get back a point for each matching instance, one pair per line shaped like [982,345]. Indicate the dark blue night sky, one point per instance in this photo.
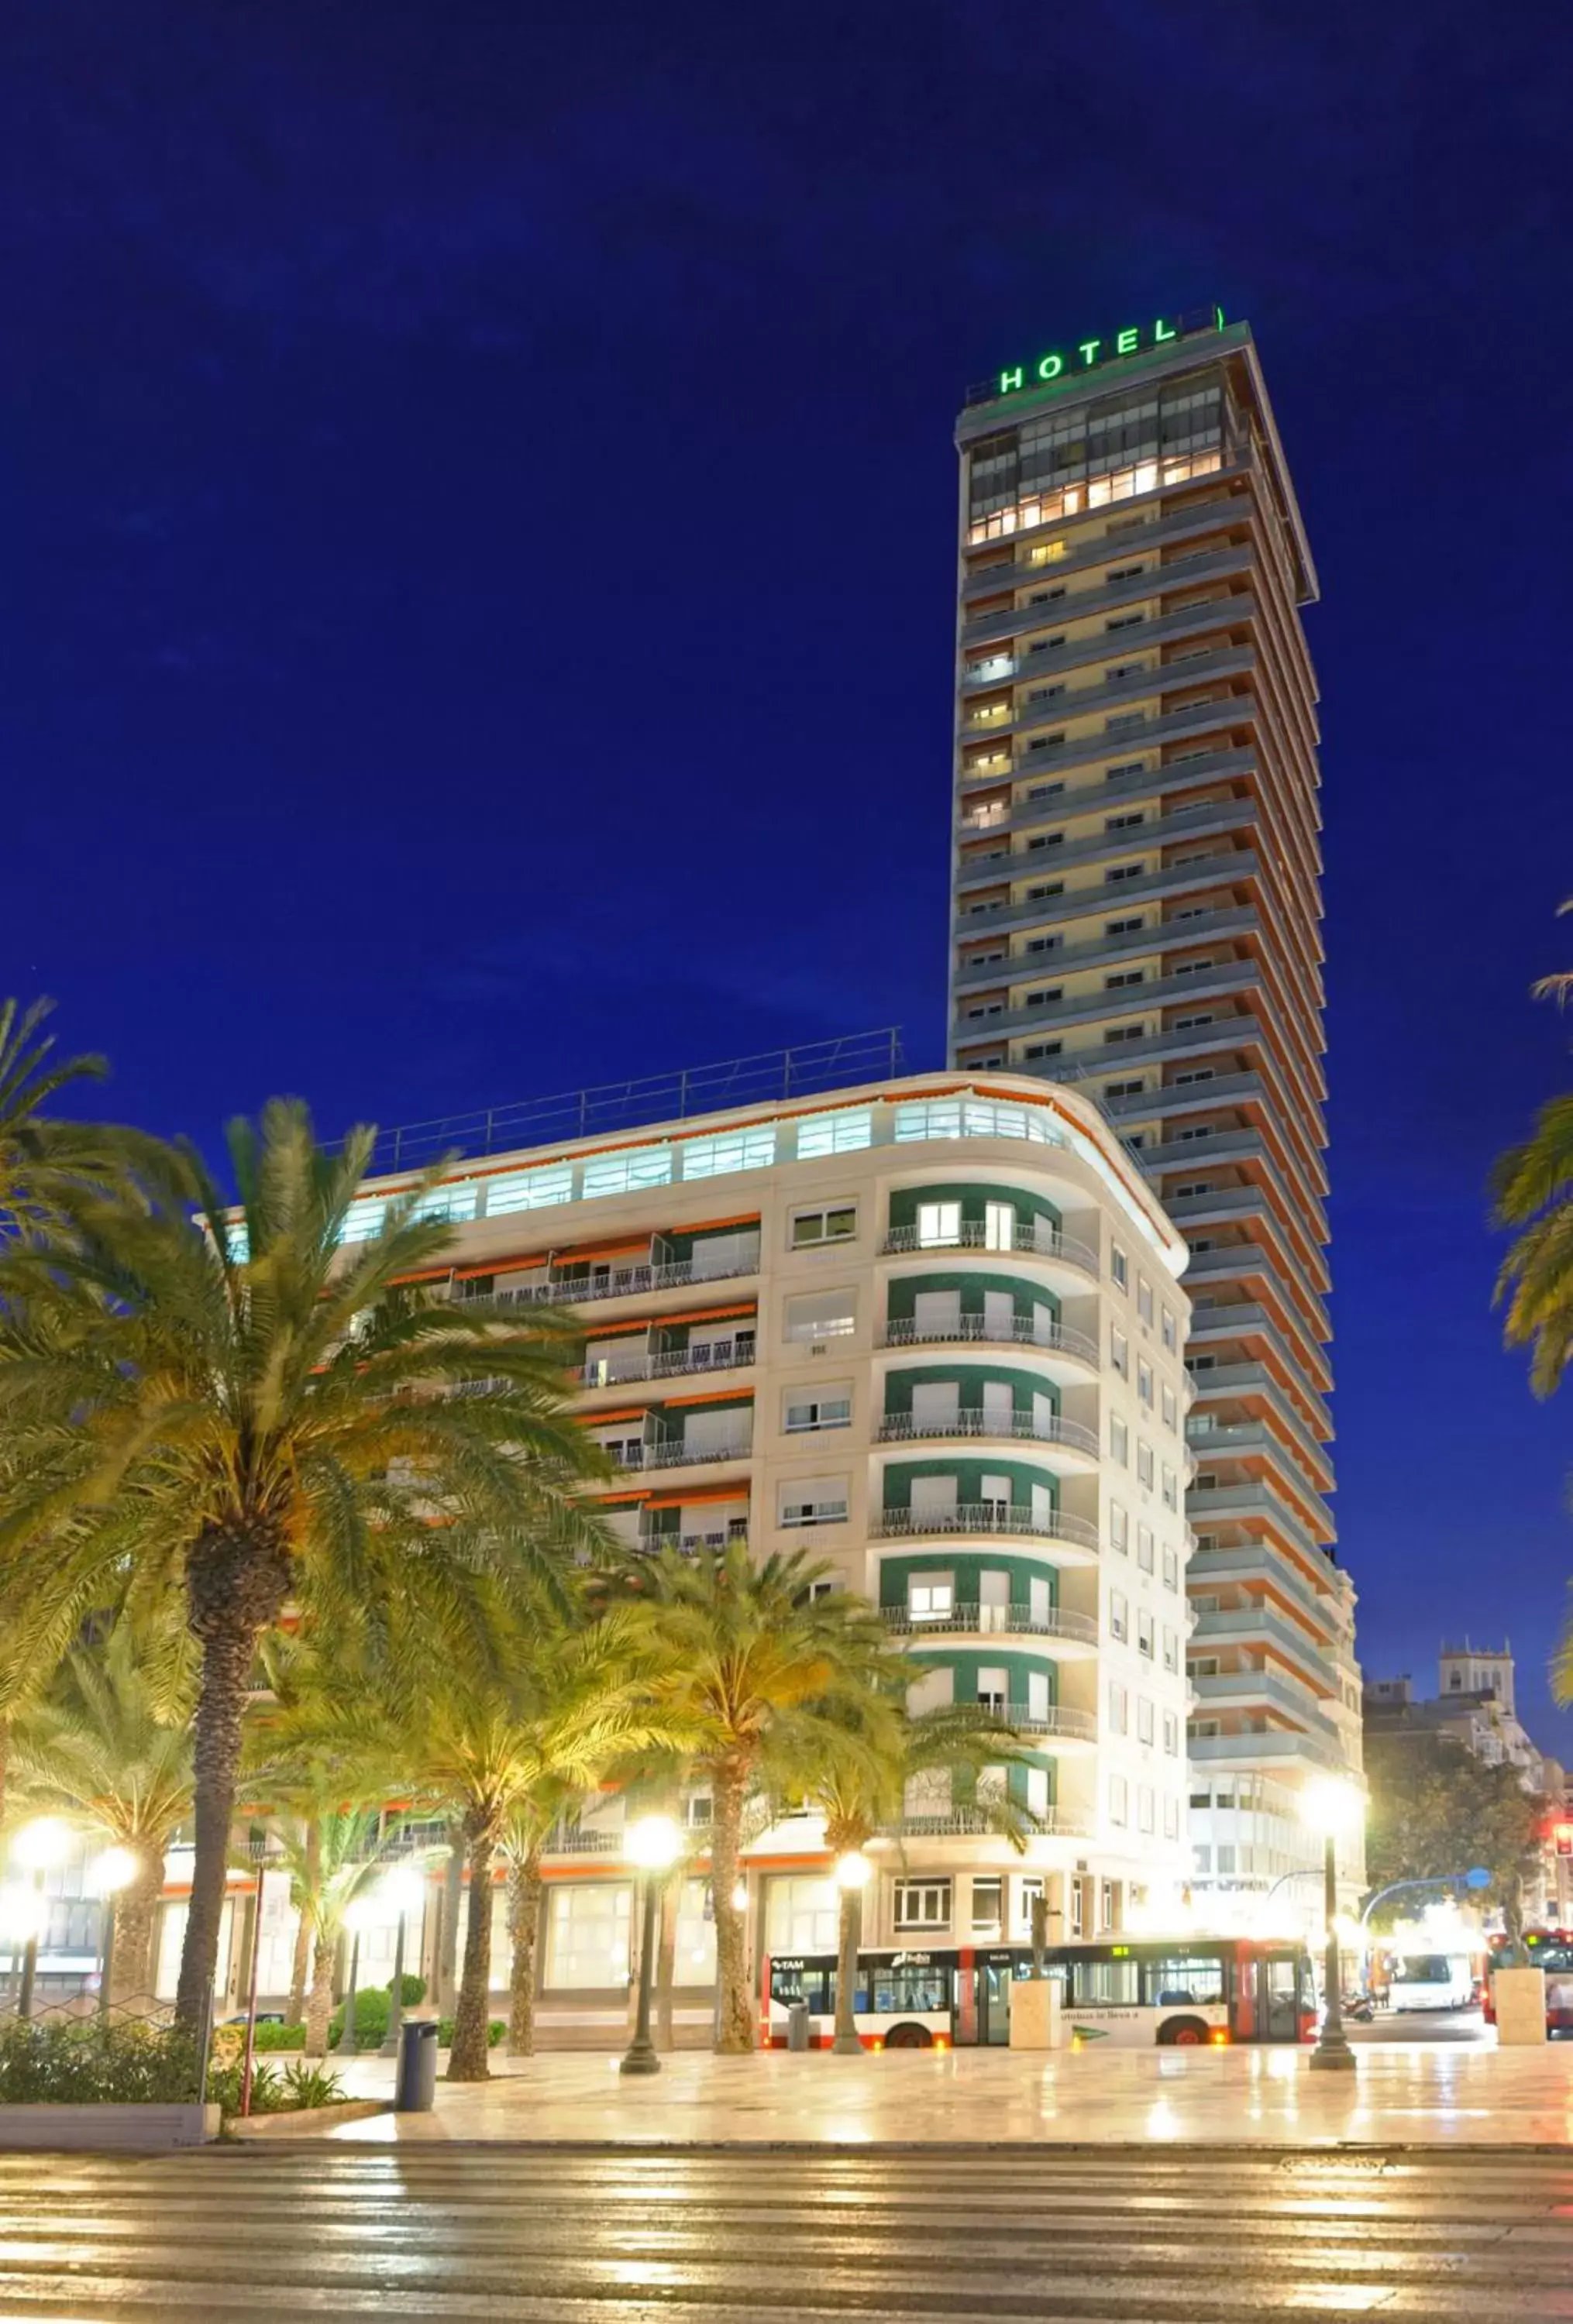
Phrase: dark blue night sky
[478,590]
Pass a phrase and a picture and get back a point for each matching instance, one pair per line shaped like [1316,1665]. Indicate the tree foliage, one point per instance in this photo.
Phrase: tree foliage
[1437,1810]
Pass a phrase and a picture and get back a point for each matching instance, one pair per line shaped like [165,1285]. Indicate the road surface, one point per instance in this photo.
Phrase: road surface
[1192,2234]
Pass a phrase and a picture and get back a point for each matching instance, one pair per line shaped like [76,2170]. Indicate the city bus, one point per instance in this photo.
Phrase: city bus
[1174,1992]
[1552,1950]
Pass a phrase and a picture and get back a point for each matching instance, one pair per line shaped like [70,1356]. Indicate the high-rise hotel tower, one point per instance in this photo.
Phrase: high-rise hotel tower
[1138,911]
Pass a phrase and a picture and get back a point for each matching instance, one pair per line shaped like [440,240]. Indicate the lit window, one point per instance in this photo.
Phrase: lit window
[362,1221]
[933,1599]
[922,1904]
[529,1190]
[739,1149]
[626,1172]
[843,1132]
[451,1202]
[939,1223]
[822,1315]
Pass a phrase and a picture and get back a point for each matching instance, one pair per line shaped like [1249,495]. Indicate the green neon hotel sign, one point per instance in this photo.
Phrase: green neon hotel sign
[1088,354]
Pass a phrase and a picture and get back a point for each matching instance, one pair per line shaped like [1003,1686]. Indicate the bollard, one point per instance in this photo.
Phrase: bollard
[798,2024]
[416,2088]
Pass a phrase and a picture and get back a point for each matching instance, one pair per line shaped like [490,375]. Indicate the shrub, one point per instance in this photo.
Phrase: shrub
[310,2086]
[279,2037]
[371,2012]
[84,2062]
[226,2080]
[495,2029]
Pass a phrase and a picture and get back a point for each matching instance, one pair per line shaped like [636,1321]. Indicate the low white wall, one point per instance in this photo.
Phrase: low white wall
[106,2128]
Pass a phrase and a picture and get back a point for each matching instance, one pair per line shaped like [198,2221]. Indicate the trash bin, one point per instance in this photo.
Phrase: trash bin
[797,2025]
[416,2088]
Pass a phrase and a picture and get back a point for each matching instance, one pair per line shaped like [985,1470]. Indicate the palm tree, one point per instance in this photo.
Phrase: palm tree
[501,1749]
[1532,1187]
[1558,987]
[333,1859]
[755,1660]
[240,1412]
[109,1747]
[45,1164]
[858,1780]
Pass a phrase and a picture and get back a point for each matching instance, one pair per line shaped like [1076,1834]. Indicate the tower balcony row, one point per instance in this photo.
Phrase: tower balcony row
[992,672]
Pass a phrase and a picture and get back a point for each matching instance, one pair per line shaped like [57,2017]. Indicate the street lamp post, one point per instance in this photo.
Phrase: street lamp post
[1336,1807]
[653,1844]
[114,1870]
[403,1890]
[356,1917]
[37,1846]
[853,1872]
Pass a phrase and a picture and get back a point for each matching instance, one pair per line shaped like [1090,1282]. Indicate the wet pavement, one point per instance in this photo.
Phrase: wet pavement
[1399,2092]
[620,2237]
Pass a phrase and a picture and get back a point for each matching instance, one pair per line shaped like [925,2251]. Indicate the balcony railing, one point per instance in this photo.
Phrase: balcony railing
[1020,1331]
[690,1545]
[715,1356]
[574,1840]
[1021,1427]
[973,1234]
[671,1452]
[959,1823]
[620,1282]
[989,1621]
[1070,1726]
[983,1517]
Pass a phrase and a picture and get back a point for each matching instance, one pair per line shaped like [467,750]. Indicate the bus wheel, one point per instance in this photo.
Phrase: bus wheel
[909,2037]
[1183,2034]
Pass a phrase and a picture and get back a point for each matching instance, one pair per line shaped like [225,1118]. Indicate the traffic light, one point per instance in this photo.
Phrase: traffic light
[1562,1833]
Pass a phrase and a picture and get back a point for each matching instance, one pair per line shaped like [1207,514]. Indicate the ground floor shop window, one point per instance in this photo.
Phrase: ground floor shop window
[589,1934]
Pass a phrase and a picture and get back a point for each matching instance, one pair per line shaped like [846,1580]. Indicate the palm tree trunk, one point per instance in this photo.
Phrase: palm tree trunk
[452,1908]
[313,1869]
[135,1909]
[235,1583]
[846,1933]
[524,1892]
[666,1956]
[734,2020]
[320,2006]
[466,2060]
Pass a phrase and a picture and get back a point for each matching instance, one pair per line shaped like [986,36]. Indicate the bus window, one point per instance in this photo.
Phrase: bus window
[1172,1984]
[910,1986]
[1103,1983]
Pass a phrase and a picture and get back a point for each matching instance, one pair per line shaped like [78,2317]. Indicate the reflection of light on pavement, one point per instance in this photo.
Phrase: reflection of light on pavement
[1161,2120]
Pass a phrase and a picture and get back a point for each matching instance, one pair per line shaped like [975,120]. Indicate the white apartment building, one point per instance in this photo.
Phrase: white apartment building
[930,1330]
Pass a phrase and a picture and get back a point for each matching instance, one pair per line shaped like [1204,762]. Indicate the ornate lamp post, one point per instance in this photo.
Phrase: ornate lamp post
[653,1845]
[1336,1807]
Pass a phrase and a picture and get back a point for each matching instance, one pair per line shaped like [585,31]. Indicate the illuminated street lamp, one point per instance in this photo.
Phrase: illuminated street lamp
[115,1869]
[1333,1806]
[852,1875]
[401,1892]
[653,1845]
[37,1848]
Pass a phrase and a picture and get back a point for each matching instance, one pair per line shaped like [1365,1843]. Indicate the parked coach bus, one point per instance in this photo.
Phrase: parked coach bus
[1552,1950]
[1174,1991]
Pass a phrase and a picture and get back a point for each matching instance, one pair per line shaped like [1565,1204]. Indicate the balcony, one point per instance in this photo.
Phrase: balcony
[1247,1562]
[1252,1501]
[574,1840]
[1106,645]
[1214,1324]
[693,1545]
[982,580]
[1036,1241]
[1172,726]
[1101,695]
[1056,1722]
[1257,1625]
[671,1452]
[984,1331]
[1232,1261]
[624,1282]
[1225,869]
[1270,1745]
[1064,960]
[999,1427]
[970,1824]
[993,1521]
[612,1372]
[1256,1379]
[1203,820]
[1076,1631]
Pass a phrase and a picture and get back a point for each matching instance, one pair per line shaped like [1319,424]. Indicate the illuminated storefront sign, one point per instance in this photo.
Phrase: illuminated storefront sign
[1089,354]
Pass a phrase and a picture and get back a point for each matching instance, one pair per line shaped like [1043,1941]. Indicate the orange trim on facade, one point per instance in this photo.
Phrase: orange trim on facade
[699,1500]
[711,1395]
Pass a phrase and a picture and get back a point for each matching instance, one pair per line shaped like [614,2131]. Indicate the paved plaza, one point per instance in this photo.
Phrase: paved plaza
[1399,2092]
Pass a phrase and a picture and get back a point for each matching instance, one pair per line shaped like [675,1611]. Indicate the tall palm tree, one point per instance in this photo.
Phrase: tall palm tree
[1558,987]
[44,1164]
[109,1747]
[1533,1187]
[240,1412]
[500,1750]
[755,1661]
[858,1778]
